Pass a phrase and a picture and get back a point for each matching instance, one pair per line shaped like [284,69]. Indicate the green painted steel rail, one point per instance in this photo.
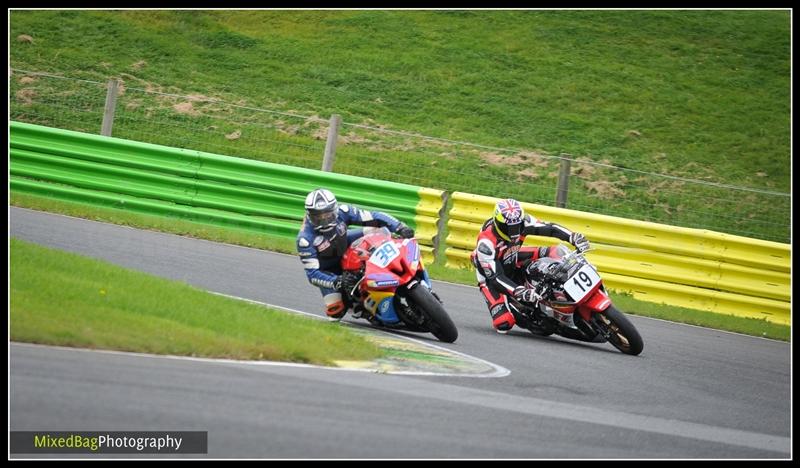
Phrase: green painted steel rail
[198,186]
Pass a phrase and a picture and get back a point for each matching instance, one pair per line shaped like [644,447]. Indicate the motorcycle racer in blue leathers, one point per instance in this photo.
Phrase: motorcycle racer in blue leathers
[324,236]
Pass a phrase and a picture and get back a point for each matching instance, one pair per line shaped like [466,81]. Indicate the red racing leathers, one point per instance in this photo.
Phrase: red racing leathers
[499,262]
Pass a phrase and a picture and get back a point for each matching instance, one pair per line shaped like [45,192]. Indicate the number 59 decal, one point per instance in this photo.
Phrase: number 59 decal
[383,255]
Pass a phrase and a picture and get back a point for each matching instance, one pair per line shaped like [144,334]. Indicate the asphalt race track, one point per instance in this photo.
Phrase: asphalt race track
[692,393]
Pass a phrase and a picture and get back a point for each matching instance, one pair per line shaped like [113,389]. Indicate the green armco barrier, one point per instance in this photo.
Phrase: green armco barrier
[157,207]
[200,186]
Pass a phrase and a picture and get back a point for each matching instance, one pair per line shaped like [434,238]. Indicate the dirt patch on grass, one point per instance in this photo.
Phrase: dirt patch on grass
[185,108]
[24,38]
[321,133]
[288,129]
[527,158]
[605,181]
[537,159]
[26,95]
[26,80]
[148,86]
[351,138]
[584,168]
[663,186]
[498,159]
[527,174]
[605,189]
[200,98]
[314,120]
[693,170]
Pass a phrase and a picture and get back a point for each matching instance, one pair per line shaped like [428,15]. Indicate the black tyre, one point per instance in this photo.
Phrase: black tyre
[440,324]
[539,331]
[623,335]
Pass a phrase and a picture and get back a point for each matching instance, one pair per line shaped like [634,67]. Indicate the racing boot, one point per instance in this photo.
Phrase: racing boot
[359,311]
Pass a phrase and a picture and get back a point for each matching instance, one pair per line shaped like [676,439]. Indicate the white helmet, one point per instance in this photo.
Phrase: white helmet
[322,210]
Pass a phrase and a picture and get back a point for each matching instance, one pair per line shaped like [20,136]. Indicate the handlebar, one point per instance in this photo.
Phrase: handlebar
[567,260]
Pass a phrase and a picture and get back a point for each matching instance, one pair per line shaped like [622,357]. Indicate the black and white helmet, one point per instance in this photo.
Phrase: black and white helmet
[322,210]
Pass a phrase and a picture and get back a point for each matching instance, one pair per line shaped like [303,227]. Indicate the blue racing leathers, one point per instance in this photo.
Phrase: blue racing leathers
[321,252]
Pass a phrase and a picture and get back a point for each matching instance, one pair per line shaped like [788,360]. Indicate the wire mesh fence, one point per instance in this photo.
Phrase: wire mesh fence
[193,121]
[366,149]
[597,187]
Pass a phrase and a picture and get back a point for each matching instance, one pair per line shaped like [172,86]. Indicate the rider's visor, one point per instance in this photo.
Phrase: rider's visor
[322,218]
[514,230]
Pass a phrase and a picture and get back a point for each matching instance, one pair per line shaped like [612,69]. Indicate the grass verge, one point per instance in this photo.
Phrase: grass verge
[749,326]
[701,95]
[65,299]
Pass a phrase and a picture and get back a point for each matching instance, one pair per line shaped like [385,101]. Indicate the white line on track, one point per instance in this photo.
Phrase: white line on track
[499,371]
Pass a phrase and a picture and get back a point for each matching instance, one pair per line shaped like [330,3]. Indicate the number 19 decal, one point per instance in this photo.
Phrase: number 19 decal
[584,280]
[581,283]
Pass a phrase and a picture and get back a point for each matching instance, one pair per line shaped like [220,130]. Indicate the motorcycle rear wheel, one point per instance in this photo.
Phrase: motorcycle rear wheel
[622,334]
[441,325]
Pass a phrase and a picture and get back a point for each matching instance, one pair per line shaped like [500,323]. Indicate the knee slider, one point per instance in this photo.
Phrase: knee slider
[336,309]
[504,321]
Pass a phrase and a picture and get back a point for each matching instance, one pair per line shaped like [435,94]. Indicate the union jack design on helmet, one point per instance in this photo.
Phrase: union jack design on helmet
[508,219]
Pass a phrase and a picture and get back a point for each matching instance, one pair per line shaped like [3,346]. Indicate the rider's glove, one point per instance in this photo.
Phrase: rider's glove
[523,294]
[349,281]
[404,231]
[580,242]
[337,283]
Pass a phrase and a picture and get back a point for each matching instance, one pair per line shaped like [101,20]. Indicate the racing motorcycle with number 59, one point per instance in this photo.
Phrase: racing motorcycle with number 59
[388,285]
[574,303]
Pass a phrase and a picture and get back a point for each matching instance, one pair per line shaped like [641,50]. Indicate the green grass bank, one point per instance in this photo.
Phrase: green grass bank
[694,94]
[60,298]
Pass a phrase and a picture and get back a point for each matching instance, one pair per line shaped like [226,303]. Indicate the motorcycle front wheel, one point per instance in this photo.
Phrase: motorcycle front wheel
[620,331]
[440,323]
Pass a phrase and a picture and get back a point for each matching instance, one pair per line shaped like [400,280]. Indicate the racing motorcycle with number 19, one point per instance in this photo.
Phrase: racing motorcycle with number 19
[574,303]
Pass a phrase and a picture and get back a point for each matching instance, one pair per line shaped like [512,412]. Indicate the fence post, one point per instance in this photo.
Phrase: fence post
[111,105]
[563,182]
[330,146]
[441,224]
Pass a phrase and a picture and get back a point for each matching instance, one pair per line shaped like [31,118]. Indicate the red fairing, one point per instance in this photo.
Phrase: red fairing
[353,259]
[596,302]
[359,252]
[400,266]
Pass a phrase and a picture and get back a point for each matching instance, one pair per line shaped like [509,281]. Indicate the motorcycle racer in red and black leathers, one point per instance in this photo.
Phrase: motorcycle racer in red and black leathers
[500,259]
